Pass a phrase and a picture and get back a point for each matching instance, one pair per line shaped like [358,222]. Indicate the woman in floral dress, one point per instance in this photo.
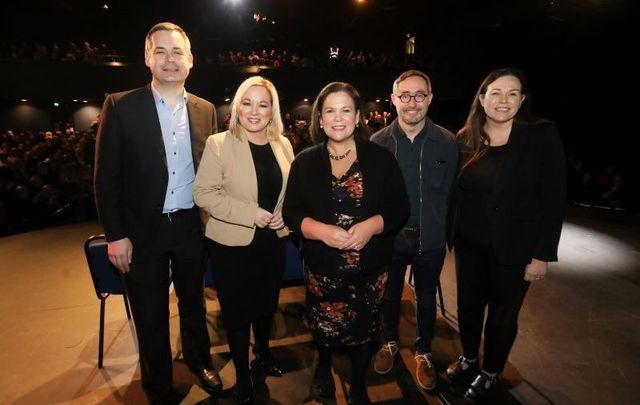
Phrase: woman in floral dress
[346,198]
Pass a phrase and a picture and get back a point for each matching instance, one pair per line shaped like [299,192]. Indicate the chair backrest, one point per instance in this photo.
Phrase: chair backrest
[106,278]
[293,263]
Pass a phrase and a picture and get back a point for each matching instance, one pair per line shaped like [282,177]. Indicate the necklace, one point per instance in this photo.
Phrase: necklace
[339,157]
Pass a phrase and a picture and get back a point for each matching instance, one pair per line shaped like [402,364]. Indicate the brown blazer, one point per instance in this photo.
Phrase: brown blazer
[227,189]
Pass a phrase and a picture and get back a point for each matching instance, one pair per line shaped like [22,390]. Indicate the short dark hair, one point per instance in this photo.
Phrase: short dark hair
[166,26]
[409,73]
[317,133]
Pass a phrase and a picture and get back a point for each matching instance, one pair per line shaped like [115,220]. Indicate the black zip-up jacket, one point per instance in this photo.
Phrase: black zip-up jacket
[438,166]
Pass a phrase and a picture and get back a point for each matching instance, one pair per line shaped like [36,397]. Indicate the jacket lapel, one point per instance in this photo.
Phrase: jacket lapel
[195,118]
[283,162]
[149,112]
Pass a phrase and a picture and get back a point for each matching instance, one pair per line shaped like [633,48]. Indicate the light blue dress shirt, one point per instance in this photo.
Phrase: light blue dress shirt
[174,124]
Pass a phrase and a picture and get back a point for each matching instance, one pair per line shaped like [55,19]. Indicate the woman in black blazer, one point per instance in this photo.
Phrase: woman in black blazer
[506,220]
[346,198]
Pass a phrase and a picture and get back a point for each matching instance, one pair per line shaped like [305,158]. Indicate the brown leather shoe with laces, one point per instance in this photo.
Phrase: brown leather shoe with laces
[383,362]
[425,372]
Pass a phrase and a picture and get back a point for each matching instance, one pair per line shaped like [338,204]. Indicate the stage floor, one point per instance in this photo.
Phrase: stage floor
[578,341]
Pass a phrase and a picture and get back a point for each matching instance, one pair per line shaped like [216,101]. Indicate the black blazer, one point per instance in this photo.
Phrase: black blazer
[131,166]
[309,195]
[528,201]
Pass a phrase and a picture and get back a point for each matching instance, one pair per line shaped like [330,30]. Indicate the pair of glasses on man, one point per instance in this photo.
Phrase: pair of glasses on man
[406,97]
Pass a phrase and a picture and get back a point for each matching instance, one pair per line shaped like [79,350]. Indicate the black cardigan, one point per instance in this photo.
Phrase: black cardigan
[309,195]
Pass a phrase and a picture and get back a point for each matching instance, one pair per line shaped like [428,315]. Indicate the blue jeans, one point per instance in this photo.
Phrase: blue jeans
[426,266]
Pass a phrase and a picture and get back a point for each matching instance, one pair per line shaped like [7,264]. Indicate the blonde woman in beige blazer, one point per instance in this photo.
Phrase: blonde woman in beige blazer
[241,183]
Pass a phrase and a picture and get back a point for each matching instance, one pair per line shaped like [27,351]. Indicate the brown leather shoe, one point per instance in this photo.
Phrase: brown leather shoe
[425,372]
[209,380]
[383,362]
[461,367]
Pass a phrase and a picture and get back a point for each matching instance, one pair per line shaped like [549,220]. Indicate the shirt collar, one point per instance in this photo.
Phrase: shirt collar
[399,134]
[157,97]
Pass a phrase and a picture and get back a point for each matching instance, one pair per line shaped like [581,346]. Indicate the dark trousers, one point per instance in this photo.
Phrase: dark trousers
[178,255]
[238,339]
[426,266]
[485,284]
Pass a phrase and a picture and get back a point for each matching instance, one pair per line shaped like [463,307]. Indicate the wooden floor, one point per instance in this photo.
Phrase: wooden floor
[578,341]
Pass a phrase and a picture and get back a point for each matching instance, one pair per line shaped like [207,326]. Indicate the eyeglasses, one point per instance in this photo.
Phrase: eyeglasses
[406,97]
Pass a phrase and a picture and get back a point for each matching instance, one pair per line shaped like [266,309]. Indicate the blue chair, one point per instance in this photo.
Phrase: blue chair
[107,280]
[293,268]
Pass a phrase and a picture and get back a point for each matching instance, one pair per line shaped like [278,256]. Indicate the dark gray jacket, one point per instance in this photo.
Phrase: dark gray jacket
[439,162]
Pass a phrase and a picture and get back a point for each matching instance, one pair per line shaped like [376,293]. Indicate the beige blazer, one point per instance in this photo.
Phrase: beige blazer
[226,187]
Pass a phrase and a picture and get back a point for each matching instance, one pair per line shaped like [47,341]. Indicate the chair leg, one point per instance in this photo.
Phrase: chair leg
[410,281]
[126,305]
[439,287]
[101,336]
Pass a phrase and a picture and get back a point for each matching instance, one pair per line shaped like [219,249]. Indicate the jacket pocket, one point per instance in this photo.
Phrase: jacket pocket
[435,172]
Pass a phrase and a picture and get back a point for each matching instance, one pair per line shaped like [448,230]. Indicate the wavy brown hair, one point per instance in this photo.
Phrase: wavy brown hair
[472,138]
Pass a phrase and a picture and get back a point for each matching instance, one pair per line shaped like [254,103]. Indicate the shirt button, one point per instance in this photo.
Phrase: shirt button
[174,172]
[172,192]
[174,153]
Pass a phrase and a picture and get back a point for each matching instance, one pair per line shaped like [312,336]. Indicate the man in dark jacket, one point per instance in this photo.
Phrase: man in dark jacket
[428,157]
[149,144]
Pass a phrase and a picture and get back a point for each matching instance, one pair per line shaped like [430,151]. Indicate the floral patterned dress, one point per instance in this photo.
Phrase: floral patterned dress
[343,306]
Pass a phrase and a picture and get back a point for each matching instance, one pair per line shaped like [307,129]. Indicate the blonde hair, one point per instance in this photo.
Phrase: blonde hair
[275,128]
[166,26]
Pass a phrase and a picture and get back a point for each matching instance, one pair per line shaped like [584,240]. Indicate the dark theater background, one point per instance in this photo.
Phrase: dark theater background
[579,56]
[59,58]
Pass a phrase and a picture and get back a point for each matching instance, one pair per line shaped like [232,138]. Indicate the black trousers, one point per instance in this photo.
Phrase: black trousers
[427,266]
[178,255]
[485,284]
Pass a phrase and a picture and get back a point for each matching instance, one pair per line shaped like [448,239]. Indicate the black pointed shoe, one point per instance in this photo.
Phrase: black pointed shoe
[209,380]
[268,363]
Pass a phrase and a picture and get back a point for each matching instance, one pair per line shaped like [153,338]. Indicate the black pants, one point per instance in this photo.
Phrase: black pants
[238,339]
[426,266]
[484,283]
[178,255]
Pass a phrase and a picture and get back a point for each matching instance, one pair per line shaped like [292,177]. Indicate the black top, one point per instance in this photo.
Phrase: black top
[309,195]
[268,175]
[476,186]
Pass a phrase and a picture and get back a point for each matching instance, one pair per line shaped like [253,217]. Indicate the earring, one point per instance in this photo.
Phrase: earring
[321,126]
[357,124]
